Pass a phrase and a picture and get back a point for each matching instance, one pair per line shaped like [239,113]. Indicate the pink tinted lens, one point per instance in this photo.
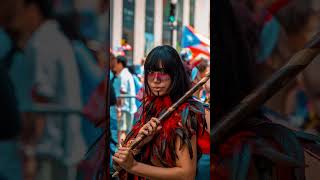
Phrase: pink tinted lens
[159,76]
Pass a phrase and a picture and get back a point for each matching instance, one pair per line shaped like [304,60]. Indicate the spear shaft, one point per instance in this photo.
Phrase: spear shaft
[259,96]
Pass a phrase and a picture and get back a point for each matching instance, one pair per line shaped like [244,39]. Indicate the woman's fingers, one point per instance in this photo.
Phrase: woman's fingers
[159,127]
[123,153]
[121,143]
[123,149]
[116,154]
[117,160]
[149,127]
[129,142]
[145,132]
[123,157]
[153,124]
[155,120]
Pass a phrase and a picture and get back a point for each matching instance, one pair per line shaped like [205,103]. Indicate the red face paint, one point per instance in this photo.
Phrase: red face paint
[161,76]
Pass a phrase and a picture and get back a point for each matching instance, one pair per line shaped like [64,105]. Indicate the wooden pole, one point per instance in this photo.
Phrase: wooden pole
[259,96]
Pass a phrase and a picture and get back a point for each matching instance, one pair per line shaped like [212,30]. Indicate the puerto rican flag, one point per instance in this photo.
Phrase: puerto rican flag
[198,44]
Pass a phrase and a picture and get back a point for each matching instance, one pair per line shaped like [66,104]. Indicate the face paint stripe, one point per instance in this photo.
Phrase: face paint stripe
[159,76]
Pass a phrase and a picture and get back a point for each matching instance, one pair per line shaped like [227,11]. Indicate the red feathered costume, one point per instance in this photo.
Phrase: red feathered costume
[186,121]
[261,149]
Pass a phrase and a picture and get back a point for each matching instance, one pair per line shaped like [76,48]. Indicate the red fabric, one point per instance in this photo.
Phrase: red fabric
[200,49]
[168,131]
[204,142]
[222,171]
[276,6]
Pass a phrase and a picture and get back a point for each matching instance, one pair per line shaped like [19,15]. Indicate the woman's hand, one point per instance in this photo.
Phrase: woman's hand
[149,130]
[124,158]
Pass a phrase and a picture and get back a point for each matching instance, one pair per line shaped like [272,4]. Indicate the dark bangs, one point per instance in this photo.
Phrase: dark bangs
[234,62]
[166,59]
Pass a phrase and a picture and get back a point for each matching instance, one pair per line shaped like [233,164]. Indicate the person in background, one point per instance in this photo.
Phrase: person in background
[186,56]
[248,150]
[55,82]
[284,27]
[10,130]
[91,74]
[123,85]
[202,69]
[137,83]
[284,34]
[302,103]
[113,115]
[113,119]
[9,107]
[140,68]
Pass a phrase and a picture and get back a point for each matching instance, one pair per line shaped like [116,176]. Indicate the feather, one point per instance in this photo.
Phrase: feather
[163,146]
[172,147]
[180,133]
[307,137]
[266,150]
[184,115]
[192,108]
[160,158]
[286,139]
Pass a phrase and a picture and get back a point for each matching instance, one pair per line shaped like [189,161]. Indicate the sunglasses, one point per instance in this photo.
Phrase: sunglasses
[161,76]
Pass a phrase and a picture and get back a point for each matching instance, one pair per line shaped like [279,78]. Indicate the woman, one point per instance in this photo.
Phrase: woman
[257,148]
[174,149]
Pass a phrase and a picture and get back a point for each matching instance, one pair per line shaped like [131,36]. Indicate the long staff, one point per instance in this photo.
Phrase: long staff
[253,101]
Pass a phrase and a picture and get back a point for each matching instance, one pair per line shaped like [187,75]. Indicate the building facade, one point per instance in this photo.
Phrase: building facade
[144,24]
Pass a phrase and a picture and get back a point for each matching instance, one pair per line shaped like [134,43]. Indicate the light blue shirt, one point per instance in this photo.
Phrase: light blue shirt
[124,83]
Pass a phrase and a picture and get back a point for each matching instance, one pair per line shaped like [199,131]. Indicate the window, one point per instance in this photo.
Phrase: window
[166,34]
[149,26]
[128,26]
[179,15]
[192,7]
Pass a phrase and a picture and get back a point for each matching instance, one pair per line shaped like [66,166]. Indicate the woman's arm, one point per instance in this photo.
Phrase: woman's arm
[207,116]
[185,167]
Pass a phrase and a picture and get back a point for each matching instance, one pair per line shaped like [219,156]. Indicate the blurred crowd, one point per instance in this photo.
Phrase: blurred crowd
[51,65]
[278,29]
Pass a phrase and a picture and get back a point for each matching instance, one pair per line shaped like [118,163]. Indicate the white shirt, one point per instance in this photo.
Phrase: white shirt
[49,54]
[124,83]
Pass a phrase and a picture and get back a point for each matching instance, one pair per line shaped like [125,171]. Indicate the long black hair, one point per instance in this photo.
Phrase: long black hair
[166,58]
[234,78]
[233,58]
